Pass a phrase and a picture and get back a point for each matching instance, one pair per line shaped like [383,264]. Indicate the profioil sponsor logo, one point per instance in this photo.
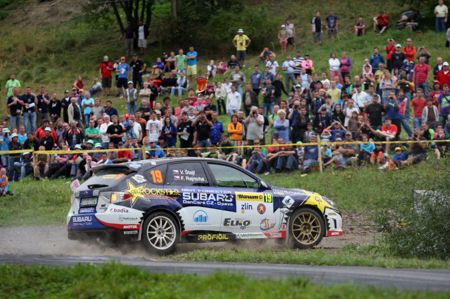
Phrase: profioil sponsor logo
[210,199]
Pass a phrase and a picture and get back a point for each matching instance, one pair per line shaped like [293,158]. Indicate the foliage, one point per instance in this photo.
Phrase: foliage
[418,225]
[118,281]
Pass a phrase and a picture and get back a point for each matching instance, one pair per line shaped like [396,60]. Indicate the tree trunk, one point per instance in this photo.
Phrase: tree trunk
[119,19]
[174,8]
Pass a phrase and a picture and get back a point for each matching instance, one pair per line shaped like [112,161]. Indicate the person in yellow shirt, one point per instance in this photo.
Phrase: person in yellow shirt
[241,43]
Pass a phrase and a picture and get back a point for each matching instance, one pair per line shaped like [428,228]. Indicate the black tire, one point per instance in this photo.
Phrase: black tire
[306,228]
[160,233]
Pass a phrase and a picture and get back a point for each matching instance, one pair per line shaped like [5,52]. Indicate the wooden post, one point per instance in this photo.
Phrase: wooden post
[320,154]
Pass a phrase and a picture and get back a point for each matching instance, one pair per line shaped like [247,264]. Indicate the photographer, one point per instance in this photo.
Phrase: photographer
[202,127]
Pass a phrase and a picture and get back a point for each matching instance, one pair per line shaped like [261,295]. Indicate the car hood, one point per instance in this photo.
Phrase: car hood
[298,195]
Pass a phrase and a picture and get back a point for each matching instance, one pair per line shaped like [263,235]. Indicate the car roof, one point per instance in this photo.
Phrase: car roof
[175,159]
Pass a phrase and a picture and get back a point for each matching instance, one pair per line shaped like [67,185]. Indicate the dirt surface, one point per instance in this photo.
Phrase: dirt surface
[52,240]
[51,12]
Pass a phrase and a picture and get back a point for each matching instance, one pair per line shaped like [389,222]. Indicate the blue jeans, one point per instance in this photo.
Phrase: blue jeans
[131,107]
[179,89]
[405,124]
[268,107]
[417,123]
[256,166]
[14,121]
[204,143]
[440,24]
[87,117]
[29,119]
[424,86]
[286,162]
[289,79]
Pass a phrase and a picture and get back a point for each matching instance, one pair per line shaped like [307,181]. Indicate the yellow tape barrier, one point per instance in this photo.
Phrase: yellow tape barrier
[59,152]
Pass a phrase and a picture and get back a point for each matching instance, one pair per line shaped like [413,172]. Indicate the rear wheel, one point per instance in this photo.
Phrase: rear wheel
[160,233]
[306,228]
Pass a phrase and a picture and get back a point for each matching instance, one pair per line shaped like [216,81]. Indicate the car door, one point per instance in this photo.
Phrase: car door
[201,203]
[254,205]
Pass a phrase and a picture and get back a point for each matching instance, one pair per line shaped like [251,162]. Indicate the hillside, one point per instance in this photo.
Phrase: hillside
[52,42]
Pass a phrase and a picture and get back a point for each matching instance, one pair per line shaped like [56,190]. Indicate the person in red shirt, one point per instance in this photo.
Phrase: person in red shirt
[381,22]
[106,69]
[78,84]
[409,50]
[418,103]
[435,94]
[40,132]
[443,76]
[420,75]
[390,49]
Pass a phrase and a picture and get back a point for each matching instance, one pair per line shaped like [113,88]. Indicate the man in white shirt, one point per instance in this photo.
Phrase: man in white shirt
[361,98]
[142,37]
[154,127]
[103,129]
[288,69]
[272,64]
[441,13]
[234,101]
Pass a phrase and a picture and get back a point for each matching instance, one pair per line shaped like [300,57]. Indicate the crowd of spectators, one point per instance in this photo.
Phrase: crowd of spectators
[271,108]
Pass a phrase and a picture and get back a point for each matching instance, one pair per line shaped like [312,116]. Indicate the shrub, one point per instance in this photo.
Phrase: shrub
[418,226]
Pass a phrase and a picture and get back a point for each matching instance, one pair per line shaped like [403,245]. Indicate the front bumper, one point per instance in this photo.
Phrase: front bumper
[333,221]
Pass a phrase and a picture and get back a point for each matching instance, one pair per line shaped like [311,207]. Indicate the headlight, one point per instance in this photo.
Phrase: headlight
[329,201]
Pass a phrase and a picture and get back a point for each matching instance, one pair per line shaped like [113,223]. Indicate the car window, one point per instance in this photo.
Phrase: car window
[227,176]
[186,174]
[155,175]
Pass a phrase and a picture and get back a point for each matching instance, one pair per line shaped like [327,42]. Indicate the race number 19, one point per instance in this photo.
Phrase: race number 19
[157,176]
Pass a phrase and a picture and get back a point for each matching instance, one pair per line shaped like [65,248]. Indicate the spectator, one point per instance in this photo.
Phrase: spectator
[106,69]
[283,39]
[54,108]
[381,22]
[122,71]
[87,104]
[191,58]
[180,61]
[409,50]
[109,109]
[430,114]
[281,126]
[360,27]
[216,129]
[420,75]
[397,59]
[138,68]
[316,27]
[78,84]
[235,130]
[131,95]
[15,104]
[443,76]
[43,104]
[11,84]
[375,59]
[234,101]
[96,87]
[334,65]
[288,70]
[332,25]
[250,99]
[4,183]
[418,104]
[29,100]
[345,66]
[142,36]
[202,127]
[115,131]
[241,43]
[441,13]
[255,126]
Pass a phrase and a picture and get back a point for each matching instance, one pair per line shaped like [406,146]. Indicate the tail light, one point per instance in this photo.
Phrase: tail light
[113,197]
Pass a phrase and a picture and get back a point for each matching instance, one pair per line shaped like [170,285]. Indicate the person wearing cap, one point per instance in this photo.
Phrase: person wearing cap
[106,68]
[241,43]
[131,95]
[48,141]
[443,76]
[398,57]
[283,39]
[122,71]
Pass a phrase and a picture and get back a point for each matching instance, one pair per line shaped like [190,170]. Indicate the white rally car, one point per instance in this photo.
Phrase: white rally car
[166,201]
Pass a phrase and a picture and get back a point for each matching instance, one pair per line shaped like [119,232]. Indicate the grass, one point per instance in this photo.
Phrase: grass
[367,255]
[118,281]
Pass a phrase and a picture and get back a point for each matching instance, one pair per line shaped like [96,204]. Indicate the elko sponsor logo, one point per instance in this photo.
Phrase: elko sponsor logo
[200,216]
[241,223]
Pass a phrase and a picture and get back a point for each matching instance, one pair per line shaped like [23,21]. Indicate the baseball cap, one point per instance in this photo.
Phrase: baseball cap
[283,26]
[90,141]
[445,63]
[130,82]
[77,146]
[398,149]
[14,135]
[47,129]
[5,130]
[66,91]
[298,86]
[240,30]
[98,144]
[105,58]
[398,46]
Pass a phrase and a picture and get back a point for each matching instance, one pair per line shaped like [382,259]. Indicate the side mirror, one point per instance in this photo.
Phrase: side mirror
[264,185]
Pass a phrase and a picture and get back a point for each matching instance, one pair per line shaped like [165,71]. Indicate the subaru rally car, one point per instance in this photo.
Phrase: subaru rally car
[166,201]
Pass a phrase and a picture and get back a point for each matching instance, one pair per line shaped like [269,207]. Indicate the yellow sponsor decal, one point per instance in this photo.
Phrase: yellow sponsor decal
[147,193]
[213,237]
[316,200]
[249,196]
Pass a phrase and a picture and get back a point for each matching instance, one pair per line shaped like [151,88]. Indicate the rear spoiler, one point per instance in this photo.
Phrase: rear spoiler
[127,168]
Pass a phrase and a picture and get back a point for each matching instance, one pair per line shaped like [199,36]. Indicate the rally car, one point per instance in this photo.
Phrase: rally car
[166,201]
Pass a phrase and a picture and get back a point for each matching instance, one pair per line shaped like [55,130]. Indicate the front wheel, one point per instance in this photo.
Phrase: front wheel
[306,228]
[160,233]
